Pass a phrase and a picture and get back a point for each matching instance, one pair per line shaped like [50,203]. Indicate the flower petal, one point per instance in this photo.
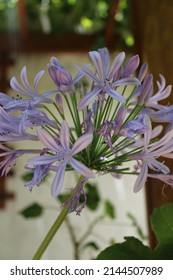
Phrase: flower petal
[81,168]
[96,59]
[58,180]
[47,140]
[81,143]
[87,72]
[64,135]
[116,64]
[87,99]
[141,178]
[115,94]
[43,160]
[127,81]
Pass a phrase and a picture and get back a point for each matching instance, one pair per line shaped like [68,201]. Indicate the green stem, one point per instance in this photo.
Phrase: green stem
[56,225]
[51,233]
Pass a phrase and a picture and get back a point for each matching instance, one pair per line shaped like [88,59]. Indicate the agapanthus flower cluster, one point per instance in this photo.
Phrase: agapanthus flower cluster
[94,123]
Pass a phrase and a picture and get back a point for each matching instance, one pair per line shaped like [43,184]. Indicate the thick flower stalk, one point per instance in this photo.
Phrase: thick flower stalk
[93,129]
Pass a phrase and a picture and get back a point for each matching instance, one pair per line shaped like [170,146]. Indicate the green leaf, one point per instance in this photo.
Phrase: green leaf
[26,177]
[131,249]
[91,244]
[93,196]
[164,251]
[109,209]
[162,222]
[32,211]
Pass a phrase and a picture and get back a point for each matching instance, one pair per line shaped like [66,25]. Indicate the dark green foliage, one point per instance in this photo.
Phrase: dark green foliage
[133,249]
[33,211]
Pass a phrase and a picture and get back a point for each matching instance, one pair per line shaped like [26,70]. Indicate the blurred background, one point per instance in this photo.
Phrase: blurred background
[31,31]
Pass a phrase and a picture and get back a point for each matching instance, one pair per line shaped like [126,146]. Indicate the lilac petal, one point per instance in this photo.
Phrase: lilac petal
[87,72]
[116,64]
[81,168]
[127,81]
[81,143]
[131,66]
[141,178]
[43,160]
[17,87]
[96,59]
[87,99]
[158,165]
[142,72]
[115,94]
[64,135]
[105,57]
[147,134]
[37,78]
[23,76]
[58,180]
[47,140]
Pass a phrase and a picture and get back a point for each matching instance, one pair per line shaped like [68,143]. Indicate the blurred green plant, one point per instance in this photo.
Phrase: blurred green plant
[103,210]
[133,249]
[70,16]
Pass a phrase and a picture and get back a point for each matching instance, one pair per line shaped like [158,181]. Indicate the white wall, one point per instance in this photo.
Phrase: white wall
[19,238]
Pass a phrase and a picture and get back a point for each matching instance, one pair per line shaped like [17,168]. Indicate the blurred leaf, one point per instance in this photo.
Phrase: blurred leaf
[26,177]
[63,197]
[93,196]
[109,209]
[33,211]
[131,249]
[93,245]
[135,224]
[162,222]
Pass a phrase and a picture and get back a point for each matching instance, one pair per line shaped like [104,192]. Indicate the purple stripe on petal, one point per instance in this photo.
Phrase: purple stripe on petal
[81,143]
[58,180]
[116,64]
[127,81]
[64,135]
[96,59]
[81,168]
[43,160]
[115,94]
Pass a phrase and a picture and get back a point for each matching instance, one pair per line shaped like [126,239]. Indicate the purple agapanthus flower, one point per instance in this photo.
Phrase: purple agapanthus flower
[104,77]
[63,155]
[10,157]
[147,158]
[10,128]
[31,95]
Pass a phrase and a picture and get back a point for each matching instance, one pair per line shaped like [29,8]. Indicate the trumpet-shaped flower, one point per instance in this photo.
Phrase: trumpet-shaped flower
[63,155]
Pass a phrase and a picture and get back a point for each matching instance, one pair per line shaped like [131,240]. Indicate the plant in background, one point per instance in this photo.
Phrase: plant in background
[94,130]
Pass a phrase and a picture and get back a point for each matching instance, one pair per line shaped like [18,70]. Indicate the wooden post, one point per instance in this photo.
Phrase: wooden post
[153,29]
